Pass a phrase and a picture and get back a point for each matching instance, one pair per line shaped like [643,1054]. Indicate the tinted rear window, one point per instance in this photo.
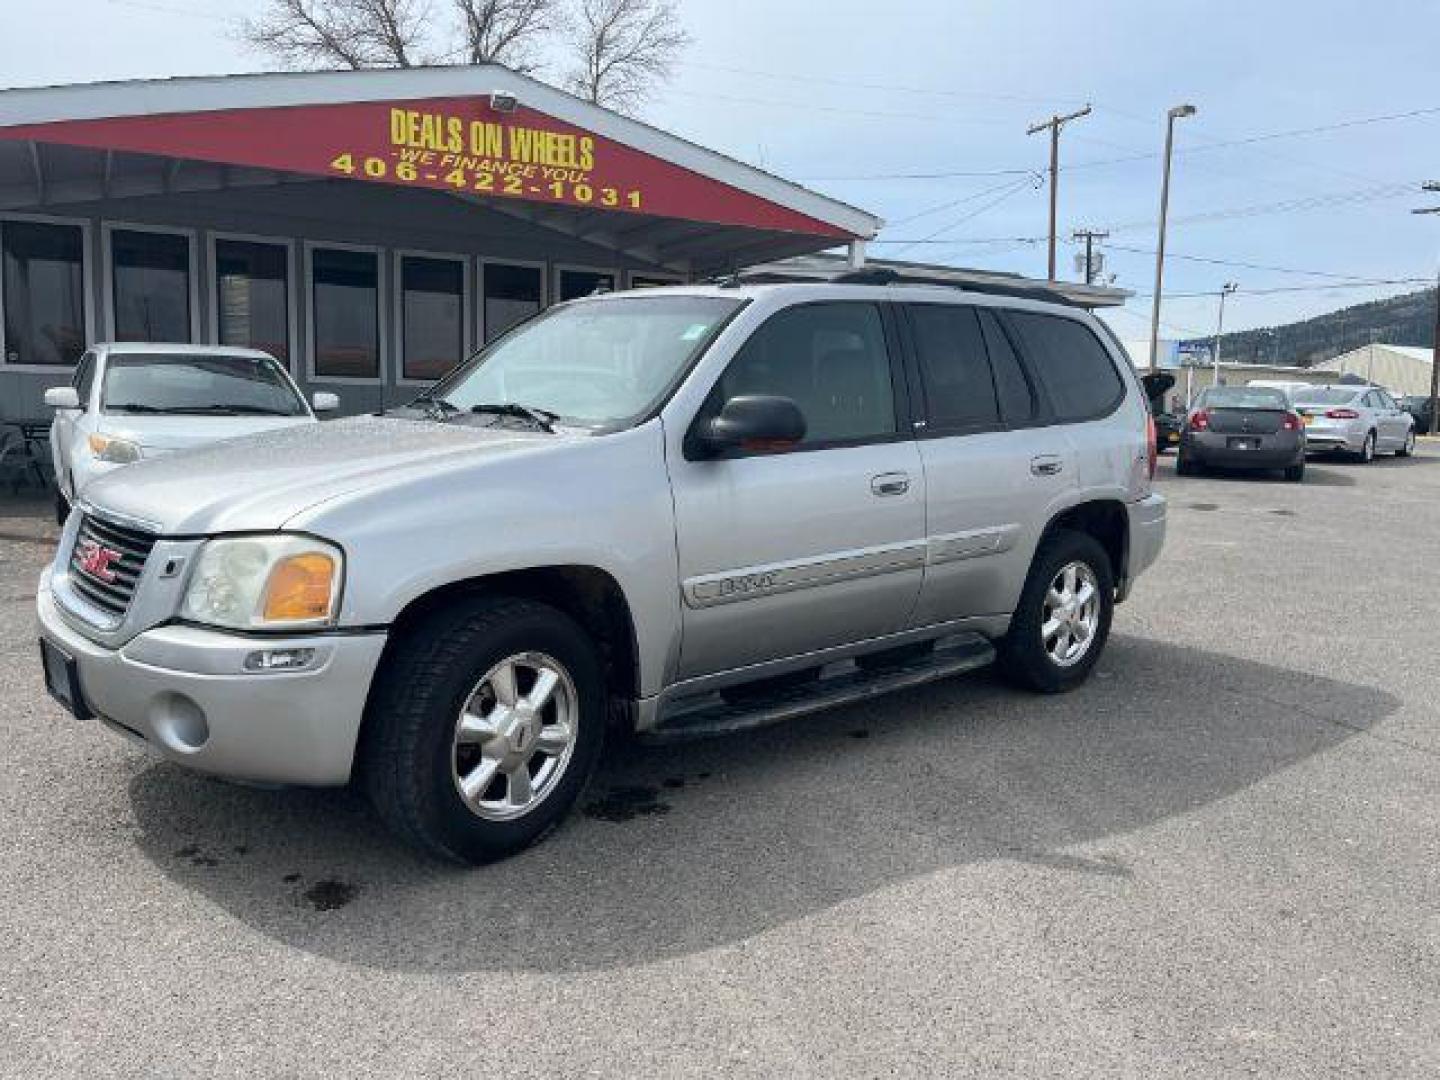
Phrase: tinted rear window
[958,390]
[1071,364]
[1244,397]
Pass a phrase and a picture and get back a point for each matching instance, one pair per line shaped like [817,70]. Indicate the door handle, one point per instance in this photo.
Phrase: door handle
[890,483]
[1046,465]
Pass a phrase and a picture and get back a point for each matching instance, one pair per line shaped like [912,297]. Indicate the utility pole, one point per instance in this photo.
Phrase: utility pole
[1434,185]
[1225,290]
[1170,117]
[1054,124]
[1089,236]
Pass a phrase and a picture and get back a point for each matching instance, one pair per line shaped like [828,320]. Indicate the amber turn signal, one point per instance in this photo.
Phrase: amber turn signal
[300,588]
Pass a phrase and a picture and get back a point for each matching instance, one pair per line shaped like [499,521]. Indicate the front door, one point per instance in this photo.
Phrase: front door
[785,553]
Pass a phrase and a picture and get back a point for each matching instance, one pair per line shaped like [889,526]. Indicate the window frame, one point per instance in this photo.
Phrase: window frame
[558,269]
[292,287]
[382,323]
[194,269]
[87,298]
[1045,403]
[467,308]
[482,263]
[896,353]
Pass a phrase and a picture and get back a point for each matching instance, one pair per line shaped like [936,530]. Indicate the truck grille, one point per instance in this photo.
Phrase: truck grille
[106,563]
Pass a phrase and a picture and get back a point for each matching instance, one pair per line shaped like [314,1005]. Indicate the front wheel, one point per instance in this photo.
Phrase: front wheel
[486,723]
[1185,465]
[1295,473]
[1060,626]
[1367,451]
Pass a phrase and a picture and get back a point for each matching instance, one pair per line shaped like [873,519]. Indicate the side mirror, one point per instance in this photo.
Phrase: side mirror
[62,397]
[324,401]
[756,422]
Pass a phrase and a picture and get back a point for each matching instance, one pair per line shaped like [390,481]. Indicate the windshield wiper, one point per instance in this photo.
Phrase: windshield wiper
[544,419]
[436,408]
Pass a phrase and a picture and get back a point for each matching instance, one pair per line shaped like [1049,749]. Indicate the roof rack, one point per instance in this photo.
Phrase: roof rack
[885,275]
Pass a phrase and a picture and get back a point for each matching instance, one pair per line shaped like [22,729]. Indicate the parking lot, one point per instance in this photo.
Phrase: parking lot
[1220,857]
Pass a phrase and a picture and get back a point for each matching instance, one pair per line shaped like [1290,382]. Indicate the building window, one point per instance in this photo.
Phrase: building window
[512,295]
[653,281]
[150,275]
[252,296]
[43,289]
[432,316]
[345,313]
[574,283]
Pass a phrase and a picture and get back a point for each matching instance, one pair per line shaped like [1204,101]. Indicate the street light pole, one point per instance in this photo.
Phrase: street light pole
[1225,290]
[1434,185]
[1054,124]
[1170,117]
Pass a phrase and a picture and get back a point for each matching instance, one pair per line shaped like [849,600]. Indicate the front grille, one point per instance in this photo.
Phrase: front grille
[132,548]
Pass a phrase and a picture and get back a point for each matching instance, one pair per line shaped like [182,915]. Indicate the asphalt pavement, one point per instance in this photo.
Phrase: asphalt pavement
[1220,857]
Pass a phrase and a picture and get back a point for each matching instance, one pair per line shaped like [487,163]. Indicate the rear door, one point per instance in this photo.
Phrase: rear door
[785,553]
[1394,422]
[994,467]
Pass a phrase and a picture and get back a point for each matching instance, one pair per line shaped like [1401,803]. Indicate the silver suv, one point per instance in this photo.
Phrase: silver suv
[675,512]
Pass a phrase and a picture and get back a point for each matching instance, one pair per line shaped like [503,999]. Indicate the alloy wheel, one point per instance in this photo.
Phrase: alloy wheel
[1071,614]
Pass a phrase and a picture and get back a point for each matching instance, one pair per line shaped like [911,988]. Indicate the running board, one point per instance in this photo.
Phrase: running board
[841,683]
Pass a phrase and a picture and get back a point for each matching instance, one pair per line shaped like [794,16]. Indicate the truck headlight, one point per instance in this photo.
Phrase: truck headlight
[117,451]
[265,583]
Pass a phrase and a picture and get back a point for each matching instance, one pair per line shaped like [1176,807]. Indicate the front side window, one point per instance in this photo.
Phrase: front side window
[1071,364]
[150,273]
[512,295]
[950,348]
[252,296]
[345,313]
[831,360]
[432,317]
[199,384]
[43,288]
[577,283]
[592,363]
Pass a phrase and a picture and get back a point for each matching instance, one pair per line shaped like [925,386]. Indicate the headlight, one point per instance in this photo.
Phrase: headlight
[116,451]
[265,582]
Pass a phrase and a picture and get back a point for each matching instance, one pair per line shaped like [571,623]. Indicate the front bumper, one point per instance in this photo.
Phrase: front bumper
[1147,537]
[183,690]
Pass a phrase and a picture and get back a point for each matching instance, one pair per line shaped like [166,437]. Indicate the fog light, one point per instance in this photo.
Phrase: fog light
[279,659]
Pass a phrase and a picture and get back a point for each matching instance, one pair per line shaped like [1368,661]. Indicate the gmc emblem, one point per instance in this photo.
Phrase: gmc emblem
[95,559]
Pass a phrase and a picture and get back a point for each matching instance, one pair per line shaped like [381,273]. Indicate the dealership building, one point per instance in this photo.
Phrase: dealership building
[368,228]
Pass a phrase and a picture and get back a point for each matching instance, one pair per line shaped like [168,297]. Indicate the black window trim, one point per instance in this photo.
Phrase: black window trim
[1037,384]
[899,383]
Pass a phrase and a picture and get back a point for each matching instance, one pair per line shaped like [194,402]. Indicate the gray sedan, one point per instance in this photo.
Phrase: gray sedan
[1242,427]
[1359,420]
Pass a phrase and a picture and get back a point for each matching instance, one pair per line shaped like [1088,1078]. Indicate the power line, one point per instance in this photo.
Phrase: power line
[1009,190]
[1033,176]
[1366,284]
[1232,262]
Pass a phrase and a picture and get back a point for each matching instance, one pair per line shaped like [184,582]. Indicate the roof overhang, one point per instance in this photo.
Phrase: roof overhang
[482,133]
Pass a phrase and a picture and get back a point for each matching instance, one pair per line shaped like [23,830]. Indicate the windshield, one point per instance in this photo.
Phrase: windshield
[198,384]
[1326,396]
[1244,397]
[594,363]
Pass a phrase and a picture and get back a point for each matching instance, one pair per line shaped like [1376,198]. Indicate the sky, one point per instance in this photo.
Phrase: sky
[916,110]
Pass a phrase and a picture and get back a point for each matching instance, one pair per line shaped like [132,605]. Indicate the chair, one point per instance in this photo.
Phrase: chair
[14,459]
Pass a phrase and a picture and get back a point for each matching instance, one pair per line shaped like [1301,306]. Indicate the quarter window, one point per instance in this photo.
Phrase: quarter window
[1074,368]
[150,273]
[346,313]
[252,296]
[959,391]
[831,360]
[43,288]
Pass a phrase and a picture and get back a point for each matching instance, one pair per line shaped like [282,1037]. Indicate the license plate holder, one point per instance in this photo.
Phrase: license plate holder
[1242,444]
[62,679]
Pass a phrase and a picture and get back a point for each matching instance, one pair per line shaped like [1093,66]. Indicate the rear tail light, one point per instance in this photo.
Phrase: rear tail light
[1152,453]
[1200,420]
[1342,414]
[1292,422]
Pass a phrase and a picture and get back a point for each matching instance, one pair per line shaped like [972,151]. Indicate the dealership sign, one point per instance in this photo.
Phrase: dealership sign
[460,145]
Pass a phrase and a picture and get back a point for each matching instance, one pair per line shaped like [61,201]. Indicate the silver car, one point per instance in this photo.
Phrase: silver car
[679,512]
[1359,420]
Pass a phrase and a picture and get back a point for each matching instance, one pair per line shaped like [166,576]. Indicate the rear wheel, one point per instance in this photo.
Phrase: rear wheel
[1408,446]
[1185,465]
[1063,619]
[1295,473]
[487,720]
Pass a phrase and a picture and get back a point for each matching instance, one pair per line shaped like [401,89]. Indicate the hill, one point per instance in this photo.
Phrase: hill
[1396,320]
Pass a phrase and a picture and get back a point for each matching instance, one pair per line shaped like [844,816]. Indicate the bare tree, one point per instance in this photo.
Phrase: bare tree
[341,33]
[508,32]
[623,49]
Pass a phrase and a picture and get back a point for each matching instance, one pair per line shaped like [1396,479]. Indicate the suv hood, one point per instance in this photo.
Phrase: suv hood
[260,482]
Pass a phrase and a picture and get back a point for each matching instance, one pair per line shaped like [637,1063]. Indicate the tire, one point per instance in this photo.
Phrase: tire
[1407,448]
[1367,451]
[1023,655]
[1185,465]
[415,749]
[1295,473]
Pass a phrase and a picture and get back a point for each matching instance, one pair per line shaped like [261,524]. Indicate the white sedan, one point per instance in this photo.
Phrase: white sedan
[130,401]
[1359,420]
